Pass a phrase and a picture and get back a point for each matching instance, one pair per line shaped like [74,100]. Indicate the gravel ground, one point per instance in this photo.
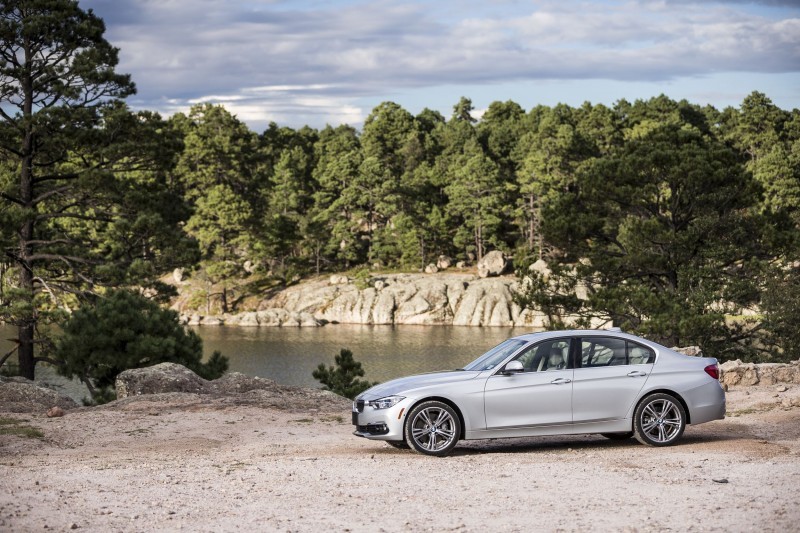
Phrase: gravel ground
[169,464]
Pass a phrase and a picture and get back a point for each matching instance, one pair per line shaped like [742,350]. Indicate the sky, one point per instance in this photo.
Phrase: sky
[304,62]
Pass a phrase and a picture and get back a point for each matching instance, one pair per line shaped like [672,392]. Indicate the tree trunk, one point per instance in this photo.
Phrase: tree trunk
[3,269]
[532,224]
[26,326]
[27,362]
[479,240]
[25,352]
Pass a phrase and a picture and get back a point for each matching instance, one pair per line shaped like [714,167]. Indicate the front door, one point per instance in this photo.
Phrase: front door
[539,396]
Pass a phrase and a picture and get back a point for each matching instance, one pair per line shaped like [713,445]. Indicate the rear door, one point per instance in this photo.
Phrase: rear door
[539,396]
[611,372]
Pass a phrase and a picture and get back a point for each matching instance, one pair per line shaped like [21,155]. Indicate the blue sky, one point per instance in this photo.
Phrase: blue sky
[330,62]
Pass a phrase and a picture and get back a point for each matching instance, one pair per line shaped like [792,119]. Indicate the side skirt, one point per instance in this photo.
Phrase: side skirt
[603,426]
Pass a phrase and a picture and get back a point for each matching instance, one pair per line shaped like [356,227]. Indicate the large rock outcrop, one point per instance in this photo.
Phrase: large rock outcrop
[739,373]
[19,395]
[167,379]
[156,379]
[459,299]
[446,299]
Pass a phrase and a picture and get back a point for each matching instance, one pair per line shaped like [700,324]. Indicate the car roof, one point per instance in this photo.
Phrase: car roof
[544,335]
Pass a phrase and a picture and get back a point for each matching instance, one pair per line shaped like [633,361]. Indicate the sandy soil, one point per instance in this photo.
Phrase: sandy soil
[150,465]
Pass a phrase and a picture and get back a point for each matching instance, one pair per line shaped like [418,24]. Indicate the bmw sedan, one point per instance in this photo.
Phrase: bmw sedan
[551,383]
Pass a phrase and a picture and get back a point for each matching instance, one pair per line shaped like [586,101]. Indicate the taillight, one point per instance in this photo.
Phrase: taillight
[713,371]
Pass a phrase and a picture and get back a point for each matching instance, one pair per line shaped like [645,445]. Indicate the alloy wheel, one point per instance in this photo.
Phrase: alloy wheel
[433,428]
[660,420]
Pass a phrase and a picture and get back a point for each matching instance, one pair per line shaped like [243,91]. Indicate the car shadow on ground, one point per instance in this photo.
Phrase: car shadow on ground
[723,437]
[540,444]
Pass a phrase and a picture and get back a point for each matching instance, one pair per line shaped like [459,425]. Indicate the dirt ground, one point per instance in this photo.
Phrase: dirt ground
[164,465]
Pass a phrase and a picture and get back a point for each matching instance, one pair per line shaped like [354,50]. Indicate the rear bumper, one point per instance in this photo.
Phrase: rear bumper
[706,403]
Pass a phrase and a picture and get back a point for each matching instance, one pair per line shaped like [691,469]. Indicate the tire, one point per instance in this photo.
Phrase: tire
[433,428]
[618,436]
[399,444]
[659,420]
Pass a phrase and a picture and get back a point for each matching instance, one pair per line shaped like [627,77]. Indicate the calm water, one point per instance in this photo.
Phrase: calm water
[289,355]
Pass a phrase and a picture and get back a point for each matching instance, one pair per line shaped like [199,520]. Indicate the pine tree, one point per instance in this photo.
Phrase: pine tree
[343,377]
[77,163]
[216,172]
[123,330]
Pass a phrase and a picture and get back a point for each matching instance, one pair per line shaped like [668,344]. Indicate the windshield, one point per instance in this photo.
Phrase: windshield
[496,355]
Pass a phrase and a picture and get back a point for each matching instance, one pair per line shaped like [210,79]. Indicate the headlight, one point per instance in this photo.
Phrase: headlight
[385,403]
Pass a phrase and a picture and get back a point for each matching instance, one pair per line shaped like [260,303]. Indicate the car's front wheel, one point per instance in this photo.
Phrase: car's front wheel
[433,428]
[659,420]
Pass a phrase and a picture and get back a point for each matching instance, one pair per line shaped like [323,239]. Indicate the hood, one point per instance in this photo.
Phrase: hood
[402,386]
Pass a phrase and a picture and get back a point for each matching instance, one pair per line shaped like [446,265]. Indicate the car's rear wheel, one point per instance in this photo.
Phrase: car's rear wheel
[659,420]
[399,444]
[618,436]
[433,428]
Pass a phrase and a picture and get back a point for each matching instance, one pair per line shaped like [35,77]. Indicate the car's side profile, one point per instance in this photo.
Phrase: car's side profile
[551,383]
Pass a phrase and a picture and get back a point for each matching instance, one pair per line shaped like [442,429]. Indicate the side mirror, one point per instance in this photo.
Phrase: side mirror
[513,367]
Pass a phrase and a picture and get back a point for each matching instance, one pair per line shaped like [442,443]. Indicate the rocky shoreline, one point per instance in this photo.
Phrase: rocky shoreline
[443,299]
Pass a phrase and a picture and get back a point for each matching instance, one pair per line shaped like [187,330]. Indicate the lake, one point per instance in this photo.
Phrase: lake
[289,355]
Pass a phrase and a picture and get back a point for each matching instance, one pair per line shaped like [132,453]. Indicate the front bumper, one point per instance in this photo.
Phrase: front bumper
[380,424]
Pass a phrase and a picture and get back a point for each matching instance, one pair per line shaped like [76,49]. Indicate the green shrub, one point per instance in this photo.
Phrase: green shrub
[343,377]
[362,279]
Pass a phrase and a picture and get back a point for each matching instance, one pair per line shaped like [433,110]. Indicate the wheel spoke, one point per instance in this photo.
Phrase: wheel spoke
[650,411]
[443,417]
[426,418]
[418,432]
[447,433]
[432,442]
[649,426]
[661,436]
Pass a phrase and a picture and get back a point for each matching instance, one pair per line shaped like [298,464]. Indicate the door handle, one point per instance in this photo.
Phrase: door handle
[561,381]
[636,374]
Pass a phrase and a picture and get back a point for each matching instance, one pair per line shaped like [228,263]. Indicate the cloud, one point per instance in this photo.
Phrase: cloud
[276,60]
[773,3]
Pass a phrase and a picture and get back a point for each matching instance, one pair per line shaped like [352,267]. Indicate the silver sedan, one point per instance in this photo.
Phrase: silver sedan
[552,383]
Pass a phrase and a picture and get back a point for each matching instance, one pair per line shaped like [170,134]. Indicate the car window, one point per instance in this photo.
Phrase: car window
[640,355]
[548,355]
[609,351]
[603,351]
